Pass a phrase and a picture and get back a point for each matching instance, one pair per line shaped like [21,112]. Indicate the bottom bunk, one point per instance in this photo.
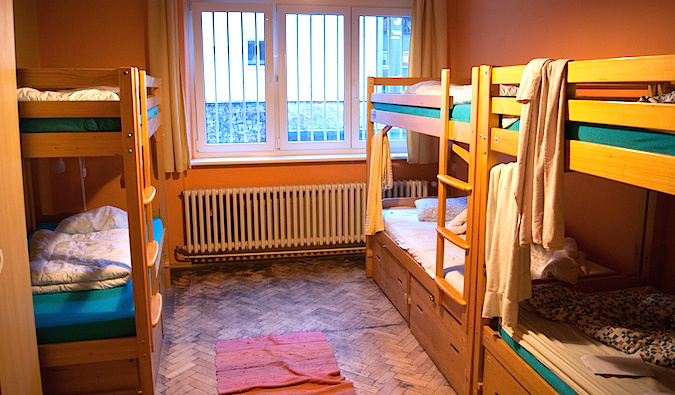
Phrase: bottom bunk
[87,339]
[435,324]
[540,356]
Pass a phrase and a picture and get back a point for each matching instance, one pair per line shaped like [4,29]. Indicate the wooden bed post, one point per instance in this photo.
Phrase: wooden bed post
[129,80]
[485,160]
[369,138]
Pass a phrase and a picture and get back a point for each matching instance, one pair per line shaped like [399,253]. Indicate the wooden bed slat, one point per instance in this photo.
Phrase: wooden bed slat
[152,253]
[50,145]
[72,109]
[66,78]
[643,169]
[462,153]
[506,106]
[461,132]
[633,69]
[156,307]
[453,238]
[153,125]
[431,101]
[90,351]
[149,194]
[637,115]
[430,126]
[454,182]
[152,101]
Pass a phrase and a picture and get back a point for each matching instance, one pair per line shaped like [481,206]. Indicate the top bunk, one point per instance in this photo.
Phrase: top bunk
[608,132]
[419,105]
[69,112]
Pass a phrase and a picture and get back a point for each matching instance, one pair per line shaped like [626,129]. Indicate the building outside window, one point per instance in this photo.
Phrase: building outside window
[312,98]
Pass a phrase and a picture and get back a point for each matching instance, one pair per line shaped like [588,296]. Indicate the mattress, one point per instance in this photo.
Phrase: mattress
[555,349]
[88,315]
[615,136]
[419,239]
[54,125]
[459,112]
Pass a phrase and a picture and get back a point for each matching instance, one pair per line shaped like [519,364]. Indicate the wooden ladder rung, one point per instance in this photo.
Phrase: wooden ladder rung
[454,182]
[149,194]
[447,289]
[152,253]
[453,238]
[156,306]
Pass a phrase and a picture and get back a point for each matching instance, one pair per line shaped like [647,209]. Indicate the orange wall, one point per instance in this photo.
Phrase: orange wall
[603,215]
[513,32]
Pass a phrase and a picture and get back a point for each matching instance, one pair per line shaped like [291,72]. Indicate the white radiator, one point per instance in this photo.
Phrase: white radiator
[241,220]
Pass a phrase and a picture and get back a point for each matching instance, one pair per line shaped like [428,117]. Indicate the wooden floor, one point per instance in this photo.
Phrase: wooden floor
[373,345]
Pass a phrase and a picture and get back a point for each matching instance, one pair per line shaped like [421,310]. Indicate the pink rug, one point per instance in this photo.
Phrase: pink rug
[296,363]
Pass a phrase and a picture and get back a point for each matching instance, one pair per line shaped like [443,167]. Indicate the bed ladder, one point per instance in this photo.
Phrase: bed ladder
[446,181]
[149,194]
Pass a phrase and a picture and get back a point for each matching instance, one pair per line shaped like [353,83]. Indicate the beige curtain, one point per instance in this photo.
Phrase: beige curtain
[164,57]
[428,55]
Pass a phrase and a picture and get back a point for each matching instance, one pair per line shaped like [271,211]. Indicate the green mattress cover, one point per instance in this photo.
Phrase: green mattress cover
[460,112]
[87,315]
[542,370]
[616,136]
[54,125]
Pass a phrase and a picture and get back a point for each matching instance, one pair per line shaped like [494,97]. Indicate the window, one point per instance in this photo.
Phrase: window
[311,99]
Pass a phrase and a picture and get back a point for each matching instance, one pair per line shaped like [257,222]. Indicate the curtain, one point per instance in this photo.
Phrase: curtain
[164,61]
[428,55]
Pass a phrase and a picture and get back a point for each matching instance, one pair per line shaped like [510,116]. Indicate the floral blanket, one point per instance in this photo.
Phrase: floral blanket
[630,321]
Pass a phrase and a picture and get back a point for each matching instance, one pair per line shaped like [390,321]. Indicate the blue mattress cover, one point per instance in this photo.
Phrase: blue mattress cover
[86,315]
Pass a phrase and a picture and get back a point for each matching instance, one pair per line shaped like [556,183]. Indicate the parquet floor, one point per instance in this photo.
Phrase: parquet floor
[373,345]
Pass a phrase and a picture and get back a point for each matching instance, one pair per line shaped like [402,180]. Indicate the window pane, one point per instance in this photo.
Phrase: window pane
[384,51]
[315,77]
[234,77]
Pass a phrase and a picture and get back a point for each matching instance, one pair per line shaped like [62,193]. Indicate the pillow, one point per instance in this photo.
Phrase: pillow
[565,265]
[427,209]
[102,218]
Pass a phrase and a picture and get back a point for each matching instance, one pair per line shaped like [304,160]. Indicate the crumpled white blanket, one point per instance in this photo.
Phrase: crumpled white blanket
[98,93]
[62,262]
[565,265]
[101,218]
[461,94]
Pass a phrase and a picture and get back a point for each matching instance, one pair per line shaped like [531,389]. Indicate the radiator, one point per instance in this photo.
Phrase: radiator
[226,221]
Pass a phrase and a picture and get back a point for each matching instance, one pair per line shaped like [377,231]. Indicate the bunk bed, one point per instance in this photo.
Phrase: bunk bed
[606,135]
[104,340]
[433,303]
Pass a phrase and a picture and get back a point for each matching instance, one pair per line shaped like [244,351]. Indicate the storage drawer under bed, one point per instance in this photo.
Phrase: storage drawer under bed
[392,278]
[440,334]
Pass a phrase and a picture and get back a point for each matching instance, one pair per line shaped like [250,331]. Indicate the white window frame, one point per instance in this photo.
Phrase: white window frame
[277,144]
[395,146]
[202,149]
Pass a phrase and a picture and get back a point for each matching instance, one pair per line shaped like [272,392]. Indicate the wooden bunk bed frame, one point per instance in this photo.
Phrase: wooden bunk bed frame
[496,367]
[127,364]
[436,313]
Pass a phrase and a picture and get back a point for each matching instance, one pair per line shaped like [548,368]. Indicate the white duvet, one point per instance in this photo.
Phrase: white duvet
[87,251]
[99,93]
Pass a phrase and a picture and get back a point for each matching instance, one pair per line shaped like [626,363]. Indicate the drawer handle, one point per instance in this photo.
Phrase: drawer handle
[384,246]
[399,281]
[378,258]
[431,298]
[420,309]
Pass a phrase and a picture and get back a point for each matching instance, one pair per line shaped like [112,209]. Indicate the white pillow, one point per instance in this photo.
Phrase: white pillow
[102,218]
[427,209]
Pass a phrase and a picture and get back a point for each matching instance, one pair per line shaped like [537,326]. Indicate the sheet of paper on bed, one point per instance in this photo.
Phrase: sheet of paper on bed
[618,365]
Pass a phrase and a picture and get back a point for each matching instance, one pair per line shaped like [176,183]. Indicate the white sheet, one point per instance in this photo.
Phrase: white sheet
[99,93]
[560,346]
[62,262]
[419,239]
[461,94]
